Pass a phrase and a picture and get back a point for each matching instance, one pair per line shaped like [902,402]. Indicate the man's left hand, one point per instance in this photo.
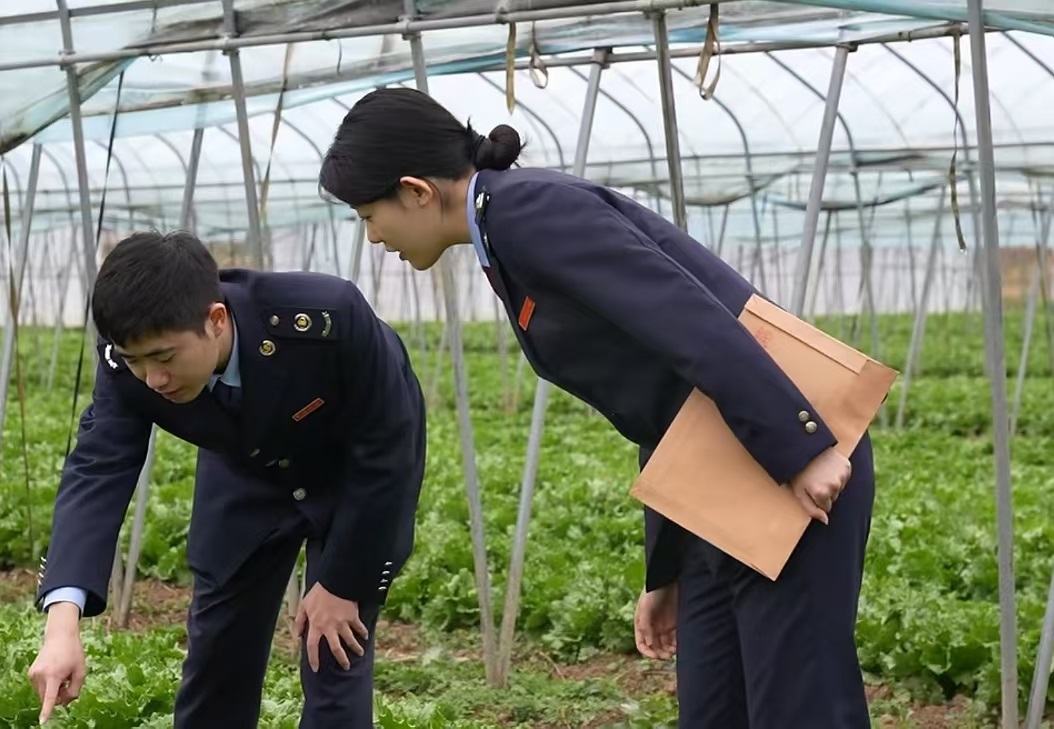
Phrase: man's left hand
[327,615]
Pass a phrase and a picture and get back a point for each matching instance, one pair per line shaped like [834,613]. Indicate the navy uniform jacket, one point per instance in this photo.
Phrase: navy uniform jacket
[331,422]
[621,308]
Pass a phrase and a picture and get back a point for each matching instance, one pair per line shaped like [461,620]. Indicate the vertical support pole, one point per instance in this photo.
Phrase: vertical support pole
[468,448]
[918,330]
[135,542]
[995,349]
[541,400]
[230,29]
[669,120]
[88,240]
[1041,676]
[1038,285]
[819,177]
[187,210]
[21,258]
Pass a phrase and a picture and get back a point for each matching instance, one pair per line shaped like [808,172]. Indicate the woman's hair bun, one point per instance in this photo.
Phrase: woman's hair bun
[499,150]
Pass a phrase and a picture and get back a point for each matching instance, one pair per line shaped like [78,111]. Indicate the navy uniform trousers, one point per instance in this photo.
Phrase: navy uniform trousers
[741,636]
[229,633]
[230,626]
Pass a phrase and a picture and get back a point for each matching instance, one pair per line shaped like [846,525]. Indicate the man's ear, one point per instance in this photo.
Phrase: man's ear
[218,318]
[417,191]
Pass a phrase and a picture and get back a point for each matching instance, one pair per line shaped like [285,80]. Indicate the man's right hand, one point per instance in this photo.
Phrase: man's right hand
[58,672]
[817,487]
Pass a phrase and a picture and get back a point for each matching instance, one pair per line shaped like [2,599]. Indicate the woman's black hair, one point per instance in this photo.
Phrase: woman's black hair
[397,132]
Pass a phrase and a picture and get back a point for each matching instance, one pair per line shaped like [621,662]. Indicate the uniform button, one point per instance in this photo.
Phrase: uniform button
[803,416]
[283,463]
[255,452]
[810,427]
[382,589]
[300,494]
[385,573]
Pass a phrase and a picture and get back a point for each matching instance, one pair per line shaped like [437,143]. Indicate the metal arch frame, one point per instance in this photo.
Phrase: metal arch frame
[1028,52]
[147,168]
[188,208]
[284,121]
[531,114]
[866,91]
[795,142]
[854,173]
[748,158]
[636,121]
[615,70]
[915,347]
[182,163]
[995,96]
[18,179]
[124,174]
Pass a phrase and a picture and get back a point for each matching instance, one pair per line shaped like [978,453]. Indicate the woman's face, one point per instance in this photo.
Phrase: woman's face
[411,223]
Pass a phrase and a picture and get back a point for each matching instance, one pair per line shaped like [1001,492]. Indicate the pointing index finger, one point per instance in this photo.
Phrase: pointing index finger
[51,692]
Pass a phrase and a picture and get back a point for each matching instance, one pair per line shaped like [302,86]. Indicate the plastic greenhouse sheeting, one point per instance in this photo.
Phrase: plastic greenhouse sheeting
[896,133]
[33,98]
[892,145]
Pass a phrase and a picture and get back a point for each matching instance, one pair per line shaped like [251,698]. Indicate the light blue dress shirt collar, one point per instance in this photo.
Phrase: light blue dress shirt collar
[231,375]
[473,228]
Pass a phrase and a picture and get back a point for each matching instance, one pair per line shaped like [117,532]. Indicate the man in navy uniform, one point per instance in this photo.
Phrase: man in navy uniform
[310,425]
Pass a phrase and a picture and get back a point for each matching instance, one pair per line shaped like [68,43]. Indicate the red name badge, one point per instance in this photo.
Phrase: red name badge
[308,409]
[526,312]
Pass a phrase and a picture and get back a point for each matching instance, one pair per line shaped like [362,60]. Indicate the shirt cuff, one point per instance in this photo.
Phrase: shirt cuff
[75,595]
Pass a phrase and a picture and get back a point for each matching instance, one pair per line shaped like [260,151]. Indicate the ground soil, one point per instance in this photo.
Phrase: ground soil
[157,604]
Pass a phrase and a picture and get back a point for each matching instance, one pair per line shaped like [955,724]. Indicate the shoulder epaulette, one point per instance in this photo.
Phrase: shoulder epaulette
[301,323]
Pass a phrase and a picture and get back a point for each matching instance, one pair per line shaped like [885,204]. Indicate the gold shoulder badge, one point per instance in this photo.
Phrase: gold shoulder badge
[301,323]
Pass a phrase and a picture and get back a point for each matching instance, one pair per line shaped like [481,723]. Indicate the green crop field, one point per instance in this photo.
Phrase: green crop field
[928,631]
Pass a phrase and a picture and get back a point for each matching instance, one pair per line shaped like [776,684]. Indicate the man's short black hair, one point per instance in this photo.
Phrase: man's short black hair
[154,283]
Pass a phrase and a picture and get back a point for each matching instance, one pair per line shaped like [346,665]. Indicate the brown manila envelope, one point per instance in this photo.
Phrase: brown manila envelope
[702,478]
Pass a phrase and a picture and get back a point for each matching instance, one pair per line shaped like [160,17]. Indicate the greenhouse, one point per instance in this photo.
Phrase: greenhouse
[883,169]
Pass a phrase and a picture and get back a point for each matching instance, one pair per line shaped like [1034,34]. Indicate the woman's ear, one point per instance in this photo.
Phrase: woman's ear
[417,191]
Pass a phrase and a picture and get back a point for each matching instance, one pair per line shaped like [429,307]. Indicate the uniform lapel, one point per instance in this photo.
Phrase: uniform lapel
[264,368]
[494,273]
[478,200]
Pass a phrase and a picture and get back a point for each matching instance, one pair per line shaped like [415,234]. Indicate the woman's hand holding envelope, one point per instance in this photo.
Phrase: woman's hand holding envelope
[818,486]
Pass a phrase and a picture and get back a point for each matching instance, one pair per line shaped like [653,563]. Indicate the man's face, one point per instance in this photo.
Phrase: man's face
[178,365]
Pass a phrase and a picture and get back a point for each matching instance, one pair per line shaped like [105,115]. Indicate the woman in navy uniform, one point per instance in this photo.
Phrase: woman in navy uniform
[622,309]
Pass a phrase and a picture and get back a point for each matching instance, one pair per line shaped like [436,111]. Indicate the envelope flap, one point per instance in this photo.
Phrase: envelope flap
[759,313]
